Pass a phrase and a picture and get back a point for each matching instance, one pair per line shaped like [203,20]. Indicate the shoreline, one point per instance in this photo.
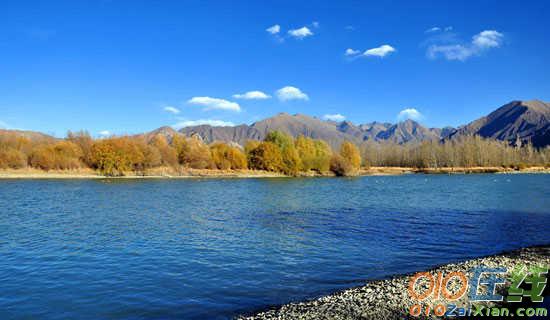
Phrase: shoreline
[389,298]
[167,173]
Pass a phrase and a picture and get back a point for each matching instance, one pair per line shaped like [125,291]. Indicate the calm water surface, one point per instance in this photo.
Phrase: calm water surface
[195,249]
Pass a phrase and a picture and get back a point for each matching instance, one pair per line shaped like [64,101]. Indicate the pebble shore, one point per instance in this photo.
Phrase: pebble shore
[389,299]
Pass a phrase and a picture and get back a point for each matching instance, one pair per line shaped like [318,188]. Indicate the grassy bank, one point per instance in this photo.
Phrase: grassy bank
[168,172]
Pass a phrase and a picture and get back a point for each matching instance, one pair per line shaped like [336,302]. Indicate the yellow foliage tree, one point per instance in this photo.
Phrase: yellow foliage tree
[12,158]
[227,157]
[350,153]
[168,154]
[195,154]
[266,156]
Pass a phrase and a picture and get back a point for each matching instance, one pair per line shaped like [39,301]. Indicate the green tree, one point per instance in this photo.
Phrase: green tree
[281,139]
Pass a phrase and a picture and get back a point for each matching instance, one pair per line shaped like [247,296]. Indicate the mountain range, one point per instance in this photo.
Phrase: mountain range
[517,122]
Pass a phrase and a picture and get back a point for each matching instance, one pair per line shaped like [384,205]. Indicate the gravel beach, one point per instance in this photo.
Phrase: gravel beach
[389,299]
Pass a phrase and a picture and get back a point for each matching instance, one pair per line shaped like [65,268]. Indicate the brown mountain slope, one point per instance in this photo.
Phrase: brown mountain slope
[34,136]
[238,134]
[332,132]
[517,122]
[407,131]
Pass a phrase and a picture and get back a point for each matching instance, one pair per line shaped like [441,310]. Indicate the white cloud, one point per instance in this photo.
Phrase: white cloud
[104,133]
[437,29]
[349,28]
[351,52]
[434,29]
[291,93]
[315,24]
[173,110]
[334,117]
[300,33]
[381,51]
[450,52]
[211,122]
[481,42]
[274,29]
[488,39]
[215,104]
[409,113]
[252,95]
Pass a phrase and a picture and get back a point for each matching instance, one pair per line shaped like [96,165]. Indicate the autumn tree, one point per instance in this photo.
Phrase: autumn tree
[61,155]
[168,154]
[350,153]
[291,162]
[266,156]
[227,157]
[195,154]
[281,139]
[306,151]
[84,141]
[323,154]
[12,158]
[113,156]
[341,166]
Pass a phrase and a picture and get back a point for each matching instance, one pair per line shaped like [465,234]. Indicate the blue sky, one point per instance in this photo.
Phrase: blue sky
[128,66]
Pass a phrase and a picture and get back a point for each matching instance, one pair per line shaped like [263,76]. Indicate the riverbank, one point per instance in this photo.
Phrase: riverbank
[86,173]
[389,299]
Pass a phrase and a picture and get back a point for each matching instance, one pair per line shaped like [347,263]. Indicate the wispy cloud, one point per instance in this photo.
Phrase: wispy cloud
[291,93]
[274,29]
[381,51]
[210,103]
[315,24]
[351,52]
[300,33]
[409,113]
[3,125]
[480,43]
[252,95]
[211,122]
[334,117]
[439,29]
[433,29]
[173,110]
[104,133]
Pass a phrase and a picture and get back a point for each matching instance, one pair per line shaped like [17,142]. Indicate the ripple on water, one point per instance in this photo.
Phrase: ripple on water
[139,249]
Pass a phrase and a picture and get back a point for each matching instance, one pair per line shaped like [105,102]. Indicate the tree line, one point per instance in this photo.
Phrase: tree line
[117,155]
[465,151]
[278,152]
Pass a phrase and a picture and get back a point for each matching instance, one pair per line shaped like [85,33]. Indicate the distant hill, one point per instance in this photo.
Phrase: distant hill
[408,131]
[332,132]
[166,131]
[517,122]
[34,136]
